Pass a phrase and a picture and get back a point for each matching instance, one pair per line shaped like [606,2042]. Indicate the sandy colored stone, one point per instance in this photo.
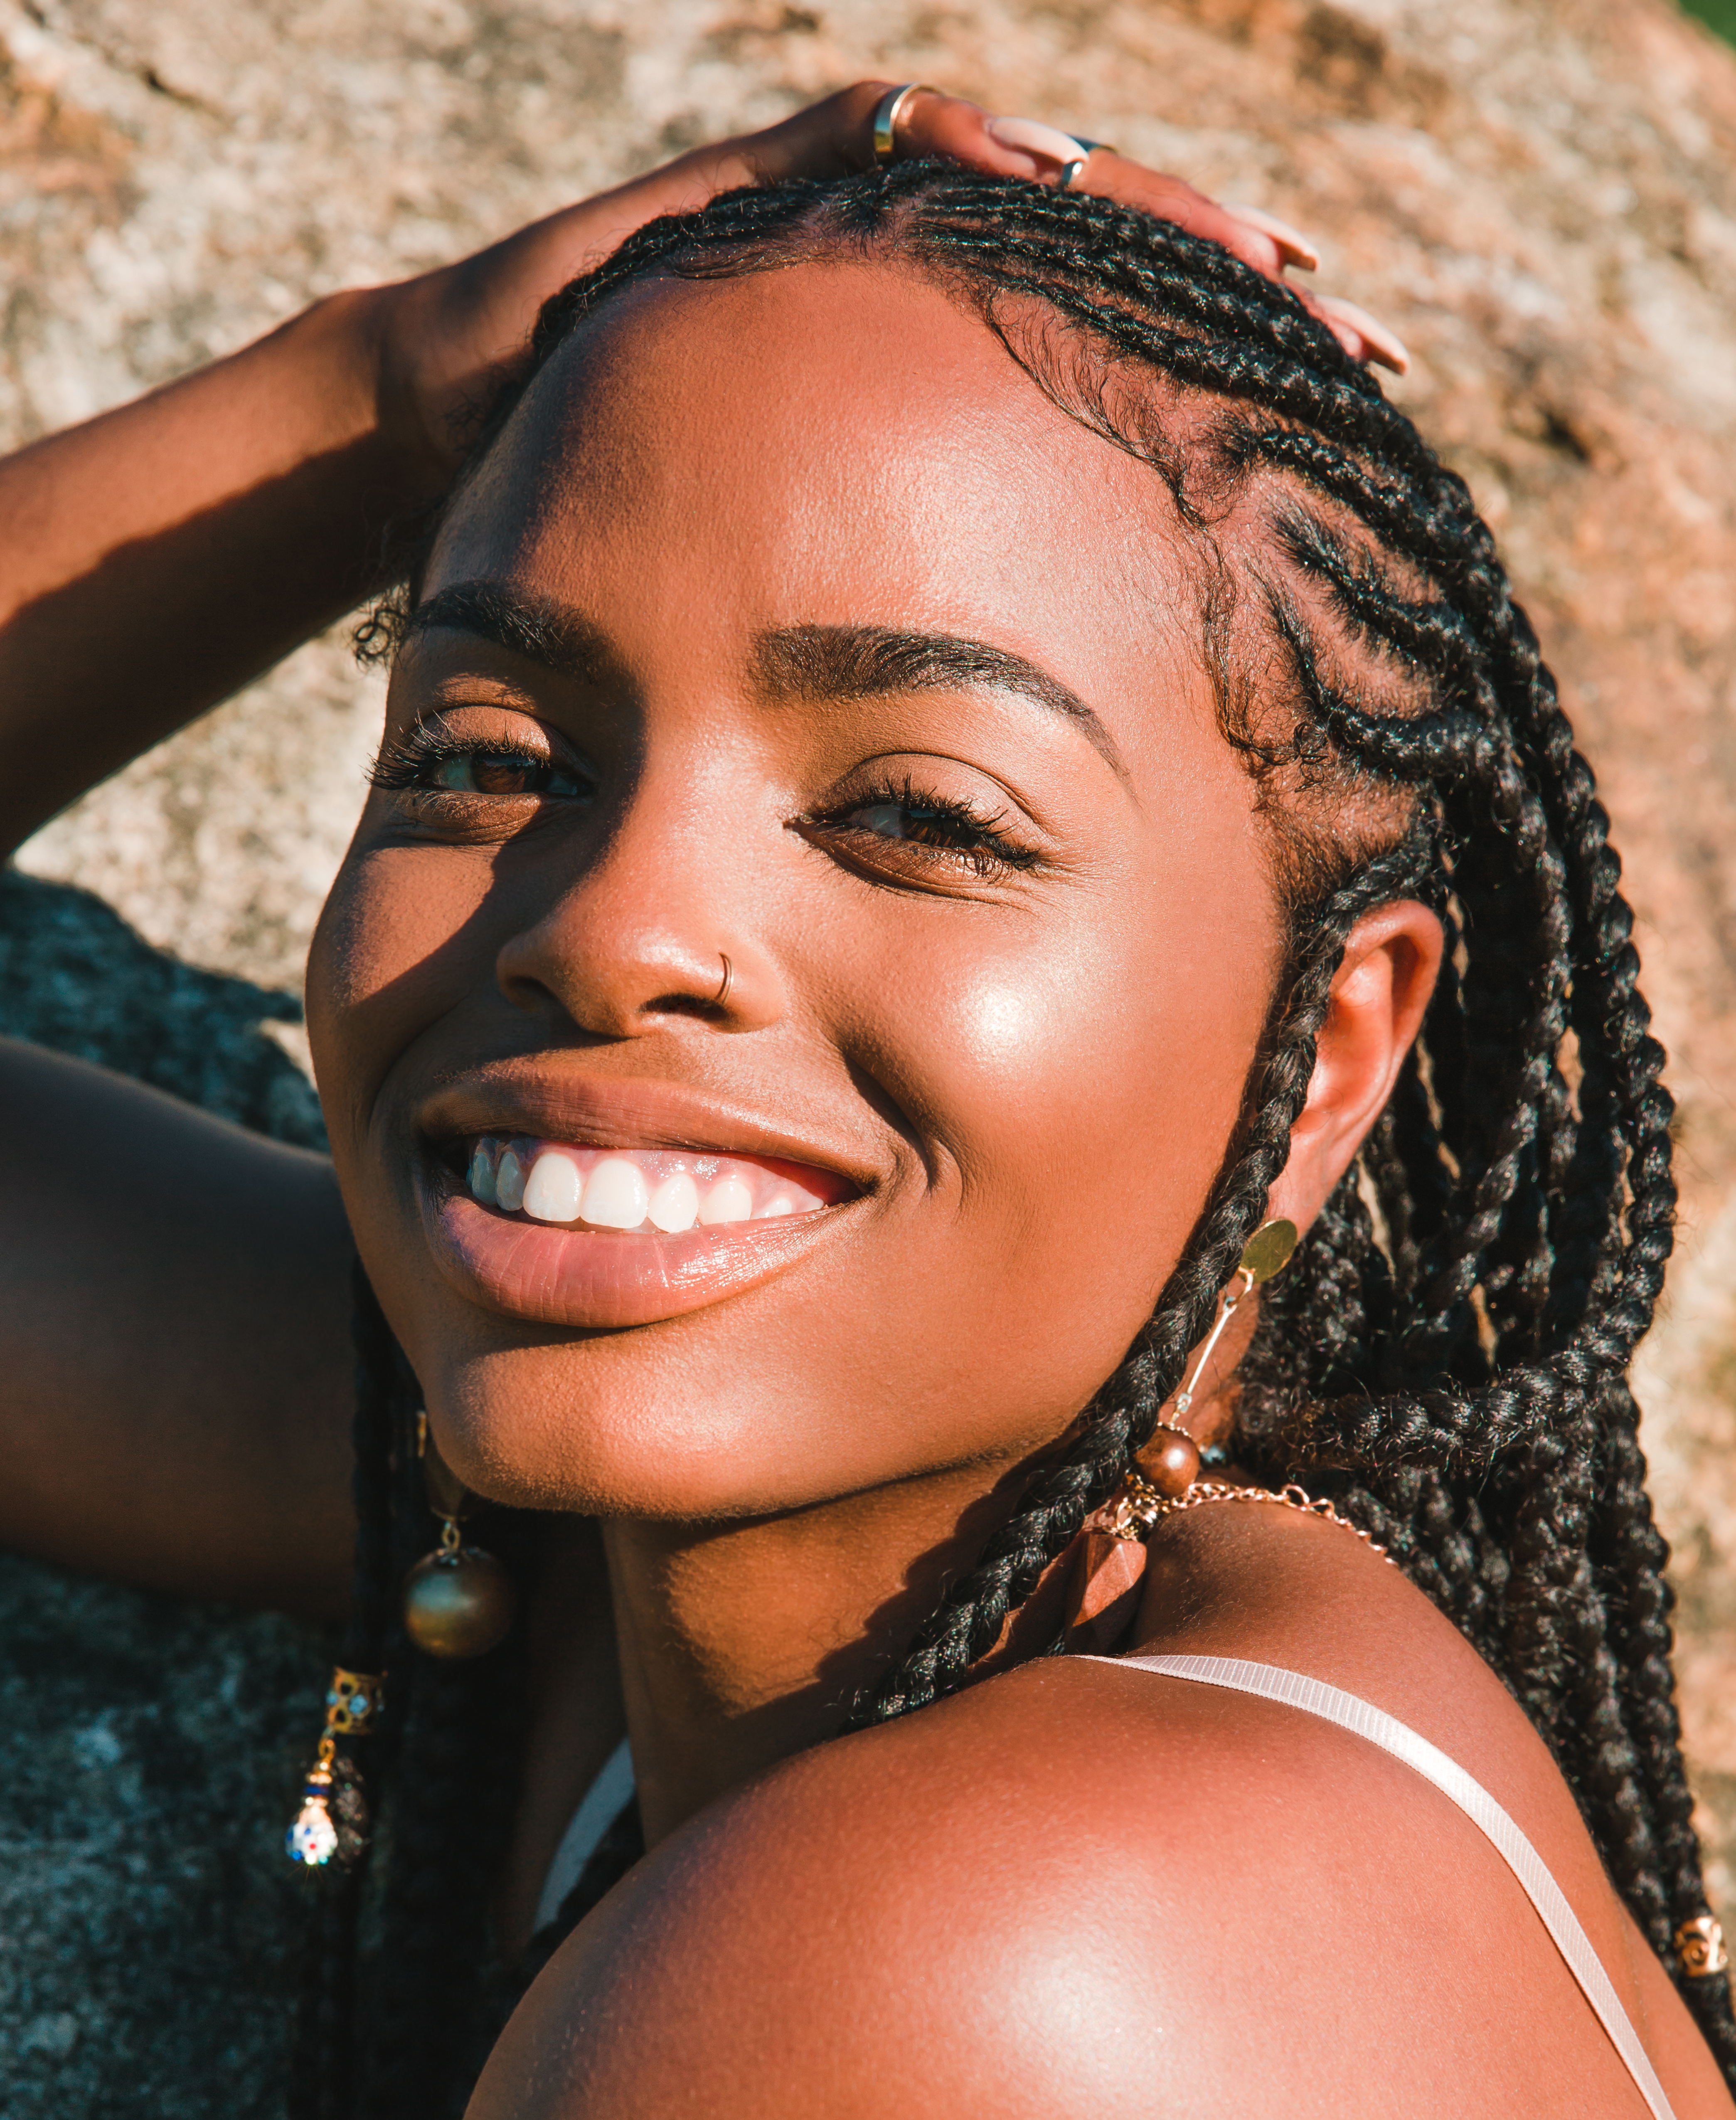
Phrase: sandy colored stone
[1540,195]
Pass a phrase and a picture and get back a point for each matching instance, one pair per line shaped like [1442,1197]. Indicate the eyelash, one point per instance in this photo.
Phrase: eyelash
[408,763]
[993,853]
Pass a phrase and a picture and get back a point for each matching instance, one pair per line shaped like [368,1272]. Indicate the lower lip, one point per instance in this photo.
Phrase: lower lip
[604,1280]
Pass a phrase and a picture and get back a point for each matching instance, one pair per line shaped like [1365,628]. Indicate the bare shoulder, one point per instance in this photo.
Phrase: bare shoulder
[1075,1890]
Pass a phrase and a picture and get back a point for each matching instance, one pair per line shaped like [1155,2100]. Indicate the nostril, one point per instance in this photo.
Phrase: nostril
[527,993]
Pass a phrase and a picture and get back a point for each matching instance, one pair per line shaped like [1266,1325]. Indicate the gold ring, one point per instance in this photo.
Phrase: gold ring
[720,998]
[891,109]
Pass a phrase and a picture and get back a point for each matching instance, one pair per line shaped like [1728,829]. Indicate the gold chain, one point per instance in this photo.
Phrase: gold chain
[1139,1507]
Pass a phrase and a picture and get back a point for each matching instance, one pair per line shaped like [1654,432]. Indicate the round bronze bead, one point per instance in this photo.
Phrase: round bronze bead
[1170,1462]
[458,1603]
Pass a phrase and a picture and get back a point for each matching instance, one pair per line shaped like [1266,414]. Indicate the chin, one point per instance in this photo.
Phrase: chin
[561,1427]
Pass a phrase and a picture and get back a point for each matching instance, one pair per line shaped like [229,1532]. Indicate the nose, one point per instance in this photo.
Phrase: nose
[645,932]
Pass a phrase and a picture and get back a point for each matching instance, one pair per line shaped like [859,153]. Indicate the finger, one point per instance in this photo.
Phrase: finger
[1297,248]
[838,135]
[831,138]
[1363,336]
[1115,176]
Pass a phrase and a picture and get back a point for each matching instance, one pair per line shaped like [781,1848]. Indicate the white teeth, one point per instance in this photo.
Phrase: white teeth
[728,1201]
[674,1206]
[616,1195]
[509,1183]
[623,1189]
[552,1192]
[482,1173]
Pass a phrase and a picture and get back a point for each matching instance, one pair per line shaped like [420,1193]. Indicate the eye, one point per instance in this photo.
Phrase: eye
[929,823]
[431,760]
[501,773]
[927,829]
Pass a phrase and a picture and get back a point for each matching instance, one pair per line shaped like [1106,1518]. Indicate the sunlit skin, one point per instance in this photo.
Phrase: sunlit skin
[1002,947]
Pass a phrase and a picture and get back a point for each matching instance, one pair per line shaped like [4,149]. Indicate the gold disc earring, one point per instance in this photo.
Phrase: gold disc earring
[458,1601]
[1266,1252]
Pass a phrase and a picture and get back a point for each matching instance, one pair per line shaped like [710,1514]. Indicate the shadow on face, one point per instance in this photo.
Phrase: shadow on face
[804,763]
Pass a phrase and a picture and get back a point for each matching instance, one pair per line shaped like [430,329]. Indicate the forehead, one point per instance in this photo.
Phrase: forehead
[830,442]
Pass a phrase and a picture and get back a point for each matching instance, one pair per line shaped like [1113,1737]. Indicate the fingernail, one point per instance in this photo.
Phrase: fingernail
[1384,345]
[1035,137]
[1296,248]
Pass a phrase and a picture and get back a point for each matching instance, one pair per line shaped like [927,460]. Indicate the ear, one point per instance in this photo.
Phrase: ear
[1382,989]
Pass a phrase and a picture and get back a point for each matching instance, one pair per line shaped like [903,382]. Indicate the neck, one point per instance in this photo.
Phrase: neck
[742,1643]
[745,1643]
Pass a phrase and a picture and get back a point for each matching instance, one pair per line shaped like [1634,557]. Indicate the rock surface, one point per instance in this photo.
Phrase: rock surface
[1540,194]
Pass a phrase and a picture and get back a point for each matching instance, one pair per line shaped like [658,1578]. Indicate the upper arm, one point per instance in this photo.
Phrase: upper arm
[174,1369]
[1069,1905]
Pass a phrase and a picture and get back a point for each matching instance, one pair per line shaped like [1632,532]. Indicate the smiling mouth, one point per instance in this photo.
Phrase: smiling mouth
[602,1239]
[653,1192]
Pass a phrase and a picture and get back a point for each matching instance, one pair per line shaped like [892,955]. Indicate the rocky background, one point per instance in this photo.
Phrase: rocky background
[1540,194]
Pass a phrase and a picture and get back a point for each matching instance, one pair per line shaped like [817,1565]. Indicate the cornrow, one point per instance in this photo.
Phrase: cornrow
[1447,1357]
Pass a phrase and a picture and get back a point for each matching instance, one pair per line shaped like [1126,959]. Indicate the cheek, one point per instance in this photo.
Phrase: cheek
[1080,1094]
[396,947]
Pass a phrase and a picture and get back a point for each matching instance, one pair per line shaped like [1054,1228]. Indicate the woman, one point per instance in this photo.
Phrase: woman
[953,777]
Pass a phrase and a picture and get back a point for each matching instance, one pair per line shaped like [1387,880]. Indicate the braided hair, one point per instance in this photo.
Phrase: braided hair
[1447,1357]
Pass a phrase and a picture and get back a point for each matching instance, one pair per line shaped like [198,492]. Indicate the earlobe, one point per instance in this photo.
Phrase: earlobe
[1379,997]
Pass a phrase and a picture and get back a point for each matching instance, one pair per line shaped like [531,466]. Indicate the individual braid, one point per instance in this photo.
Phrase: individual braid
[1448,1356]
[322,2078]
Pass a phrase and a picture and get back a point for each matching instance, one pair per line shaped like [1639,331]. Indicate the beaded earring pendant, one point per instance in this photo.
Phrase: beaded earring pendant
[458,1601]
[332,1825]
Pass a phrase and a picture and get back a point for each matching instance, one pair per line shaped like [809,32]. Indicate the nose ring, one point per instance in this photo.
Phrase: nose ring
[720,1000]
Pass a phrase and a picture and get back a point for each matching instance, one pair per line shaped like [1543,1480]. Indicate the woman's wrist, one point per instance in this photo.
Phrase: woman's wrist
[366,337]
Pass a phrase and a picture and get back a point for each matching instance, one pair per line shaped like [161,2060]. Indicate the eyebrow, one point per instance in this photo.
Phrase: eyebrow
[863,662]
[801,661]
[552,635]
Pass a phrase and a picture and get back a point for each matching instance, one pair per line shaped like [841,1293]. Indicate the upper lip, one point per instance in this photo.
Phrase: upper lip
[565,1104]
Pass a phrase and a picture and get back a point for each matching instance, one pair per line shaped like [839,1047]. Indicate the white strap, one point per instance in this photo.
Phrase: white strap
[1356,1716]
[602,1803]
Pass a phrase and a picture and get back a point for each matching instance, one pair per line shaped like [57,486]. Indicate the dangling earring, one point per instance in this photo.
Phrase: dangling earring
[1111,1563]
[1266,1252]
[333,1818]
[458,1601]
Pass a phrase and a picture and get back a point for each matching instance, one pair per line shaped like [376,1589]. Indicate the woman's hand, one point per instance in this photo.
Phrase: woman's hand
[446,336]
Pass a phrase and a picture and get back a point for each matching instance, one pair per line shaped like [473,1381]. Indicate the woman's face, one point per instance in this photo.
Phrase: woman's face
[788,623]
